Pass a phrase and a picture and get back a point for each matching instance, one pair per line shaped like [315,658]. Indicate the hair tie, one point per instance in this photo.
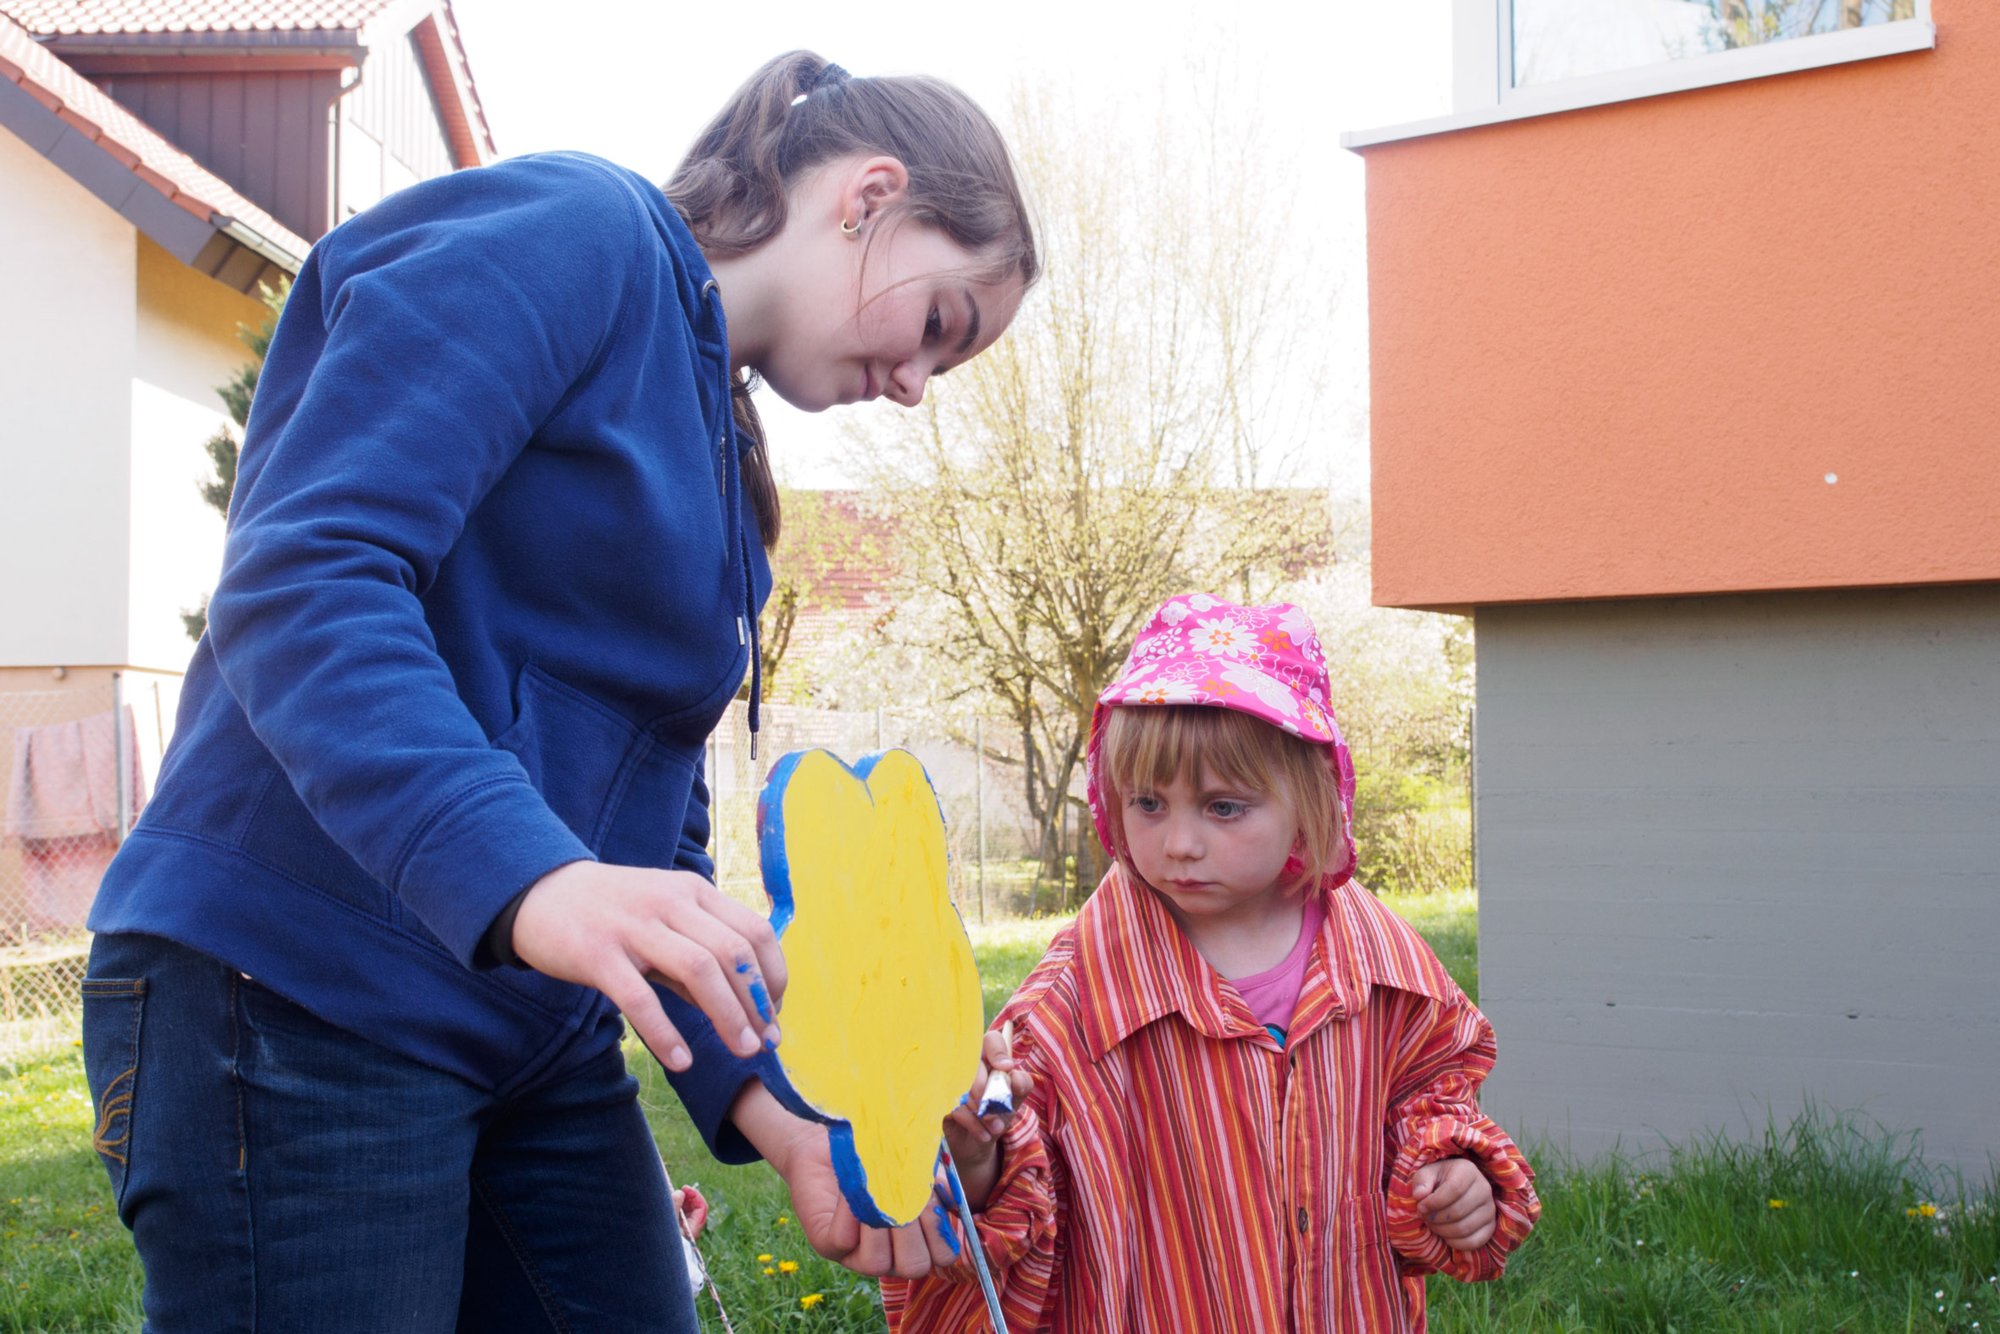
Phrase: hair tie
[832,76]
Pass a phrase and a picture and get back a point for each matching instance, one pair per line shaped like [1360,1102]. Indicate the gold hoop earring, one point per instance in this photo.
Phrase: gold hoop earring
[850,230]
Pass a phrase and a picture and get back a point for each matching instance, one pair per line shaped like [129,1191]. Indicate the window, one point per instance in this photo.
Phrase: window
[1565,39]
[1517,58]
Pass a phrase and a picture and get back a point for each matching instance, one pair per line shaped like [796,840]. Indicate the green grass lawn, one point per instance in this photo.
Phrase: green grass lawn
[1824,1226]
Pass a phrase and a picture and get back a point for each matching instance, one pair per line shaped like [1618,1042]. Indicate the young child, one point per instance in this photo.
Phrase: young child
[1246,1092]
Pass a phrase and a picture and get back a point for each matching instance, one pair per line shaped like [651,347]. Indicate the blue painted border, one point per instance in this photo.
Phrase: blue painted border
[847,1169]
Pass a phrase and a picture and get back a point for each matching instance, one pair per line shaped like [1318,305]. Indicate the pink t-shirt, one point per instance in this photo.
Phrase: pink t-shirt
[1273,994]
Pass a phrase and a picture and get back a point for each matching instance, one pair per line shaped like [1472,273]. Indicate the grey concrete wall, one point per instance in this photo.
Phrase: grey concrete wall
[1739,852]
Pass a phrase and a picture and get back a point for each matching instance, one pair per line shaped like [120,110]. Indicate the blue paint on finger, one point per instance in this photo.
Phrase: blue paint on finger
[760,998]
[944,1227]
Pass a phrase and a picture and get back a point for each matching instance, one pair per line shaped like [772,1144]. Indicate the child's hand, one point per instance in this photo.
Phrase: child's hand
[1455,1201]
[974,1141]
[693,1211]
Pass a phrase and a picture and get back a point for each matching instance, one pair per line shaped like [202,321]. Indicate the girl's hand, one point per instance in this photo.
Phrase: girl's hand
[1455,1201]
[974,1140]
[799,1151]
[614,927]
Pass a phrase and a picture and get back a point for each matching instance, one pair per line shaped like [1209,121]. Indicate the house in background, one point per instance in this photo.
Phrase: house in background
[159,160]
[1686,386]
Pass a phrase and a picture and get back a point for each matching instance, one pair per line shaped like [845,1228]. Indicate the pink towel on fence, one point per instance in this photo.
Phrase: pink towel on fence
[62,809]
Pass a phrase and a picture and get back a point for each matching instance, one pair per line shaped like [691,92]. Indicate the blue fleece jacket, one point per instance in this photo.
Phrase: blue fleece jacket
[489,584]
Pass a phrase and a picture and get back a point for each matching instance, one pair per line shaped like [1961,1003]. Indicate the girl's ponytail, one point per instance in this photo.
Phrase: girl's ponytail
[800,111]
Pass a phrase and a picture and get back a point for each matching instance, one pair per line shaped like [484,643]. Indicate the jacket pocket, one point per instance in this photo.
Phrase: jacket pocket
[113,1013]
[579,754]
[1366,1257]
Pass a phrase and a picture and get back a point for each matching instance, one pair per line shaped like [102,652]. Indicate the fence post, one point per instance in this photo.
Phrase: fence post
[979,803]
[121,755]
[714,765]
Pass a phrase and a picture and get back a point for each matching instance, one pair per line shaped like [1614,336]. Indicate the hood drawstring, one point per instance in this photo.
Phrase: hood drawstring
[756,644]
[747,630]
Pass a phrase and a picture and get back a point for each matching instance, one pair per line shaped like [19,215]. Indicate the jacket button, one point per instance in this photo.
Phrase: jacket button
[1302,1220]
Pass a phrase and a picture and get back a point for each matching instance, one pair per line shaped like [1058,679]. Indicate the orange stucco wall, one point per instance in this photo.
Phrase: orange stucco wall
[1617,351]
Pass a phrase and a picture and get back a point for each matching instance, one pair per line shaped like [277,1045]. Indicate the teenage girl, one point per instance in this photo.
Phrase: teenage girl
[433,817]
[1248,1092]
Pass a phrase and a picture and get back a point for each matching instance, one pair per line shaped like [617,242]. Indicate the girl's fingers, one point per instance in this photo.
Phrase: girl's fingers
[642,1009]
[994,1054]
[1459,1208]
[910,1251]
[769,960]
[941,1235]
[738,961]
[693,970]
[968,1124]
[872,1256]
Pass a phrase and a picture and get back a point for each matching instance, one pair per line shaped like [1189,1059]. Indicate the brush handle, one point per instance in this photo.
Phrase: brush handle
[992,1296]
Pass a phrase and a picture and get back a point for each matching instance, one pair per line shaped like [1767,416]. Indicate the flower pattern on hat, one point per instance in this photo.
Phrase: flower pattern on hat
[1263,661]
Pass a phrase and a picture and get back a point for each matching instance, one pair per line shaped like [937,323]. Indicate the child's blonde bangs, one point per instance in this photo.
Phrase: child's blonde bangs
[1146,747]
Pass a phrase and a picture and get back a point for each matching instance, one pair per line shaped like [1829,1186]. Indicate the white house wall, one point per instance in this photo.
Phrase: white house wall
[184,349]
[67,329]
[1738,853]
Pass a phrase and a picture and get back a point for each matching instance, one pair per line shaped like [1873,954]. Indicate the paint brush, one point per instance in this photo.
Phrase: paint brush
[993,1311]
[998,1097]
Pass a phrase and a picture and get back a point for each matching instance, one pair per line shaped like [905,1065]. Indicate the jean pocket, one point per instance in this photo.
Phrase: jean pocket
[113,1009]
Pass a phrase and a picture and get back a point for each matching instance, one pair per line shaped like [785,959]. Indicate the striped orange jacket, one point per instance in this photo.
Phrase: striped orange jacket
[1175,1170]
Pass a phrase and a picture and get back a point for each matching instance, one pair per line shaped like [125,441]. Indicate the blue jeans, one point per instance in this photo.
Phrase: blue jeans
[280,1174]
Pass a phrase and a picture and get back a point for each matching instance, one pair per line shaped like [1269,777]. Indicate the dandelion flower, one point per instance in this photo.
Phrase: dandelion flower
[788,1266]
[812,1299]
[768,1271]
[1928,1210]
[782,1220]
[1776,1204]
[764,1259]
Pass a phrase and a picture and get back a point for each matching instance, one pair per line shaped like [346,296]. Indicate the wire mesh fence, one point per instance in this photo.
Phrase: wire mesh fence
[76,765]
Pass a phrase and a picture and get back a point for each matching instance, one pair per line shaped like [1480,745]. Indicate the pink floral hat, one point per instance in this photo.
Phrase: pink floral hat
[1263,661]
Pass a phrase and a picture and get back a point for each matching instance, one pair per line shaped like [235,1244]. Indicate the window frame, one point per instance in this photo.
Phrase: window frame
[1483,60]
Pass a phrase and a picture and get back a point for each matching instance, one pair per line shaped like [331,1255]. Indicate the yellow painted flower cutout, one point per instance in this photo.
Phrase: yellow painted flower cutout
[882,1011]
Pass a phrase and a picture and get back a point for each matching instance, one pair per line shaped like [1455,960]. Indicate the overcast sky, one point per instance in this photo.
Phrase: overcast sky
[634,80]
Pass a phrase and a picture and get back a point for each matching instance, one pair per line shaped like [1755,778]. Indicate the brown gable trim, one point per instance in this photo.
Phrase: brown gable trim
[459,109]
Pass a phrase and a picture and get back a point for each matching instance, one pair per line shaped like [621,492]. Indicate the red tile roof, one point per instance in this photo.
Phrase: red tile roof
[47,18]
[75,28]
[156,163]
